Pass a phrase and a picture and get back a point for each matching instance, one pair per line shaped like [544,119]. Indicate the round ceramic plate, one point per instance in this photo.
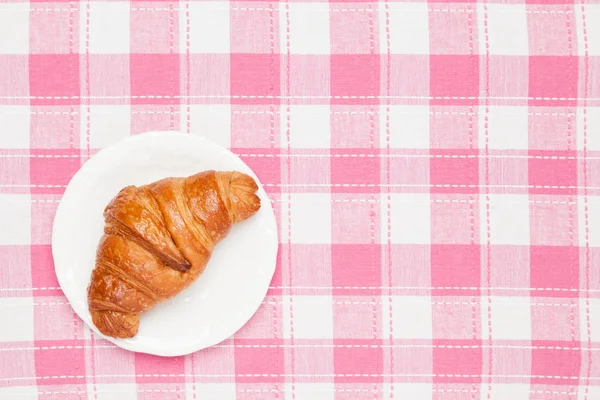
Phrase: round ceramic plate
[236,278]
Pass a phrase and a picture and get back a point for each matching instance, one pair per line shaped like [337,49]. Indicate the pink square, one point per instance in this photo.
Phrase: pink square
[352,32]
[358,361]
[554,366]
[255,30]
[54,79]
[262,120]
[552,128]
[455,266]
[456,316]
[55,127]
[43,210]
[304,361]
[355,78]
[409,360]
[457,361]
[208,75]
[310,266]
[105,367]
[267,168]
[147,365]
[213,361]
[507,172]
[311,171]
[309,75]
[410,266]
[357,221]
[265,323]
[357,317]
[14,81]
[408,174]
[155,117]
[511,77]
[555,318]
[16,365]
[15,176]
[454,219]
[54,319]
[454,171]
[54,32]
[52,172]
[154,78]
[60,365]
[509,269]
[17,274]
[154,28]
[109,76]
[255,78]
[454,79]
[359,174]
[554,267]
[356,267]
[453,127]
[43,276]
[552,172]
[259,364]
[410,69]
[453,32]
[553,80]
[354,127]
[553,221]
[551,33]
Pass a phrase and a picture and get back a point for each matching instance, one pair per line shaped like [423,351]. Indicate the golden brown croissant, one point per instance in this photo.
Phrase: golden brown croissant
[158,239]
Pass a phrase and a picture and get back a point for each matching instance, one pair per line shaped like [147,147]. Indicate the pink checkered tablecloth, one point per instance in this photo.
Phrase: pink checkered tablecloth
[434,168]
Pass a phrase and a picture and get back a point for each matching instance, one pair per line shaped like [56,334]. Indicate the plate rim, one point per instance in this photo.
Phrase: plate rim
[60,210]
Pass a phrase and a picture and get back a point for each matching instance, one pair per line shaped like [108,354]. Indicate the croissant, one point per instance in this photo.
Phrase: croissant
[158,238]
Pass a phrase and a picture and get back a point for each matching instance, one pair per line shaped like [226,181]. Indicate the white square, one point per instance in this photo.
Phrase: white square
[310,391]
[411,317]
[593,216]
[309,28]
[309,127]
[410,218]
[209,391]
[16,224]
[310,210]
[588,128]
[412,391]
[409,28]
[506,29]
[313,317]
[408,127]
[14,28]
[511,318]
[592,29]
[19,392]
[507,127]
[108,28]
[586,391]
[212,121]
[209,28]
[19,311]
[508,219]
[14,127]
[110,391]
[108,124]
[512,391]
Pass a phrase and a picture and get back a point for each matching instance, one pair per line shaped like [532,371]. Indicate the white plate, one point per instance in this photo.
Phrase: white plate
[236,278]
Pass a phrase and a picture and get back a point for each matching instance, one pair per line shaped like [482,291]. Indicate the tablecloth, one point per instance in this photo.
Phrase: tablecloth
[434,168]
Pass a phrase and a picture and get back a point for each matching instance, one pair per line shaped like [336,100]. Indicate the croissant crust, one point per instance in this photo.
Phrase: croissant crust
[158,238]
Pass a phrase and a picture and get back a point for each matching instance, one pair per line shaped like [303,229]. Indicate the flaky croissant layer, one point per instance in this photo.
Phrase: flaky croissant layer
[158,239]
